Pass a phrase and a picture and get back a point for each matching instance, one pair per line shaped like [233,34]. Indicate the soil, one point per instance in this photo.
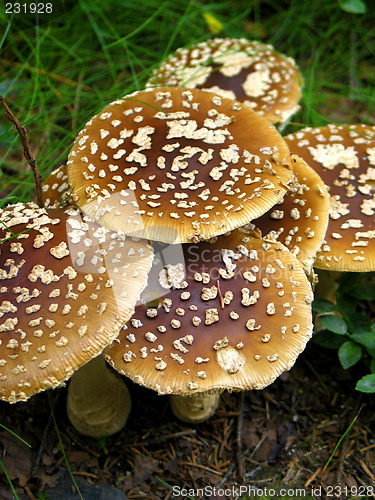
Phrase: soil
[280,437]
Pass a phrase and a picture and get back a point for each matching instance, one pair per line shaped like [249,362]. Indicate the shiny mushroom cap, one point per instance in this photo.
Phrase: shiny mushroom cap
[56,189]
[300,219]
[177,165]
[344,157]
[238,319]
[248,71]
[67,286]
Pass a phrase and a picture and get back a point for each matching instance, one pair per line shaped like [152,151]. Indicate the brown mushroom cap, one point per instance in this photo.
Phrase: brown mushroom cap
[300,219]
[248,71]
[238,319]
[344,157]
[67,286]
[56,189]
[177,165]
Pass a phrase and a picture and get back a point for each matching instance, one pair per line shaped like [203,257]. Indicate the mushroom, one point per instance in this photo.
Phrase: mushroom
[344,157]
[235,319]
[56,189]
[300,219]
[102,411]
[249,71]
[67,286]
[177,165]
[195,408]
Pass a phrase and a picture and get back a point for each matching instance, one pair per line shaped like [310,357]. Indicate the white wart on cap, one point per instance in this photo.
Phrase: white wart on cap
[56,189]
[248,71]
[300,219]
[66,287]
[178,165]
[238,319]
[344,157]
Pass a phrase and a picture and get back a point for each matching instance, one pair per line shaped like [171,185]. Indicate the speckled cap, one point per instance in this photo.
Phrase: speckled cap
[249,71]
[178,165]
[344,157]
[236,320]
[56,189]
[66,288]
[300,219]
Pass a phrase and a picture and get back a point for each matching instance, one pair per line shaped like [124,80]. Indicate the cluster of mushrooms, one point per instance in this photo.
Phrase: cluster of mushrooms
[178,242]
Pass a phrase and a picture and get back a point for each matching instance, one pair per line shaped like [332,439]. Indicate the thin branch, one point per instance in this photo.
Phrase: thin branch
[26,151]
[222,303]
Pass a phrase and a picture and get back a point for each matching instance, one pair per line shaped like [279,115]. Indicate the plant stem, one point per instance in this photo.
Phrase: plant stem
[26,151]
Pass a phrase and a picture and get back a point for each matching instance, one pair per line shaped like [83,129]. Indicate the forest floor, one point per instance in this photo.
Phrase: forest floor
[279,438]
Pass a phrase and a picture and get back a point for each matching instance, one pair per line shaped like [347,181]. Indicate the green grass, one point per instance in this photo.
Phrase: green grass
[56,72]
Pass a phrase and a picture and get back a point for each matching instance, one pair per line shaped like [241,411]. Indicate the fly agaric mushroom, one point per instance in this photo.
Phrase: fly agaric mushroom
[56,189]
[67,286]
[238,319]
[177,165]
[344,157]
[248,71]
[100,412]
[300,219]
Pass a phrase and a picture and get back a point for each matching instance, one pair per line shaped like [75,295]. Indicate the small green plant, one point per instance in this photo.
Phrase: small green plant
[102,443]
[346,325]
[353,6]
[42,496]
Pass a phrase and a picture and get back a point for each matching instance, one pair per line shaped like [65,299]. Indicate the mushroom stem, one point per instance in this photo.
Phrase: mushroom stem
[195,408]
[325,288]
[98,402]
[327,284]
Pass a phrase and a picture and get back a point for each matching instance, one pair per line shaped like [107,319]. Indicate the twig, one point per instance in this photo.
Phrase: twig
[312,477]
[222,303]
[203,467]
[161,439]
[366,470]
[26,151]
[231,470]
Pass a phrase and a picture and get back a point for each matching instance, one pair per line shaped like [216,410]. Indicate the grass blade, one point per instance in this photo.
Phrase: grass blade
[342,438]
[62,448]
[9,480]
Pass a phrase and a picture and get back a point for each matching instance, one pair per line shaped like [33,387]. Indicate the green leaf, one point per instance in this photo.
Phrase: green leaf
[366,339]
[360,323]
[328,339]
[349,354]
[345,304]
[333,323]
[363,291]
[348,280]
[323,306]
[353,6]
[372,365]
[366,383]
